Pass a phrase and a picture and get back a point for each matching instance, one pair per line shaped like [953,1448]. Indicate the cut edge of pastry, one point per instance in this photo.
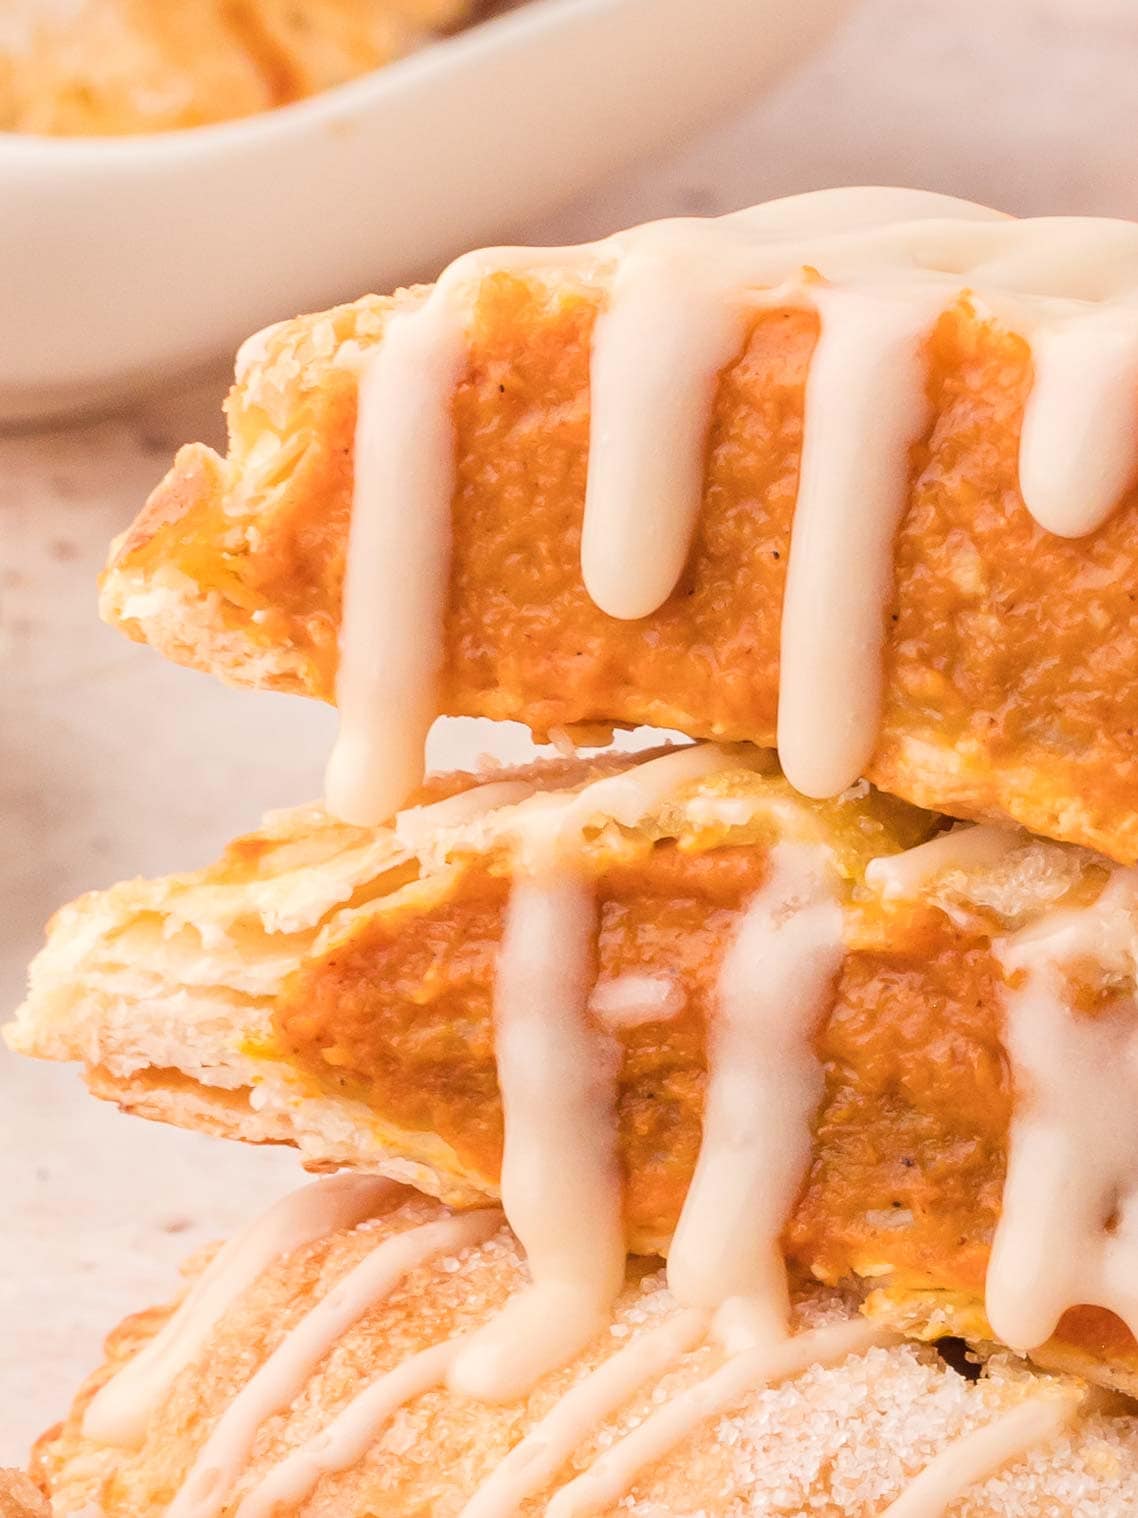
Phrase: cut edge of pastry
[329,1134]
[169,613]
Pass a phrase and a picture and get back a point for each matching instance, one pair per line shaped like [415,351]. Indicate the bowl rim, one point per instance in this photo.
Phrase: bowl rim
[325,110]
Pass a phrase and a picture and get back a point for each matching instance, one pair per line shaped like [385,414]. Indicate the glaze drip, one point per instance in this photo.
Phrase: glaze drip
[281,1377]
[1068,1229]
[561,1181]
[775,988]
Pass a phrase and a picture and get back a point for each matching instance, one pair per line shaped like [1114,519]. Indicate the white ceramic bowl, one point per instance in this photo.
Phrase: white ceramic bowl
[124,259]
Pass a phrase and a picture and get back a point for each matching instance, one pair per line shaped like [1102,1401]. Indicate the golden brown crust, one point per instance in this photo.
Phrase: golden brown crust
[1010,677]
[836,1442]
[105,67]
[109,67]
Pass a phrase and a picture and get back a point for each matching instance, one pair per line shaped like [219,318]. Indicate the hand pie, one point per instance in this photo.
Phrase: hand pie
[271,1399]
[853,471]
[879,1005]
[109,67]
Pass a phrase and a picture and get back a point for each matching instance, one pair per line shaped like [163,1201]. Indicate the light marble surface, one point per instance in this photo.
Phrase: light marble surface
[112,763]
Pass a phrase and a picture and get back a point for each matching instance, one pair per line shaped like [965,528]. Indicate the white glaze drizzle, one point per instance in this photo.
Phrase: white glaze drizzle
[119,1411]
[614,1473]
[633,794]
[628,1001]
[392,633]
[535,1460]
[1068,1229]
[419,824]
[558,1075]
[975,846]
[561,1180]
[887,262]
[980,1454]
[350,1434]
[865,405]
[282,1376]
[1079,444]
[775,987]
[671,314]
[537,825]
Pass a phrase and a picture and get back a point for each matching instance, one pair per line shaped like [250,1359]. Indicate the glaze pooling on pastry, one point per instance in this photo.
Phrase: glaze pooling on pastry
[877,267]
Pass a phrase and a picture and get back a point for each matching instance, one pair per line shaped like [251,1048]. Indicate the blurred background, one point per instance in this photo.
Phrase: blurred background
[113,763]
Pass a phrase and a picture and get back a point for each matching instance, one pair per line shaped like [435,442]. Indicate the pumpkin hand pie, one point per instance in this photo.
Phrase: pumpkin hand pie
[844,487]
[117,67]
[853,473]
[593,973]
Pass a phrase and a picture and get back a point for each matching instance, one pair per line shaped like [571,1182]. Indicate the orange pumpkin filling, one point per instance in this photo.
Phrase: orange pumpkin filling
[909,1154]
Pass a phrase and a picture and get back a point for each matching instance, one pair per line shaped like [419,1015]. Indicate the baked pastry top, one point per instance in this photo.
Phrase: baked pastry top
[109,67]
[340,989]
[896,485]
[256,1406]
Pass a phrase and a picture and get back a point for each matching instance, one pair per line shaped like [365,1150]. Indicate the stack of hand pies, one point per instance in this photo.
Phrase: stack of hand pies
[747,1126]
